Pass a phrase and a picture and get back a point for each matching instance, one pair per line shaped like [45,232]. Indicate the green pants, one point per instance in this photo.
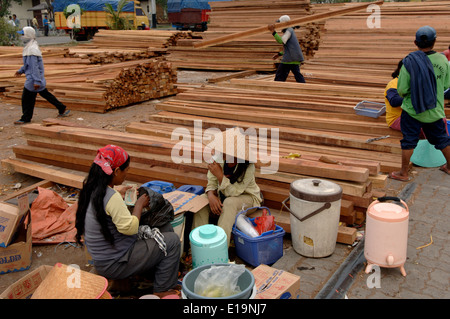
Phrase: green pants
[231,206]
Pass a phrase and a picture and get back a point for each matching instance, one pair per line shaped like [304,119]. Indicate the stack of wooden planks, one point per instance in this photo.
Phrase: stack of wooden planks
[52,150]
[252,53]
[95,88]
[353,52]
[111,46]
[319,134]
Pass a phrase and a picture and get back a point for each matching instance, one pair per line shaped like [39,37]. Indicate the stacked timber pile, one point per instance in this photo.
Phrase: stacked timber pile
[11,61]
[111,46]
[251,53]
[95,88]
[319,134]
[63,153]
[353,53]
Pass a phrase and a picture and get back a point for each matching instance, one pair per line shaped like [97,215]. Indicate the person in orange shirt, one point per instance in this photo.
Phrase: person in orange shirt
[393,100]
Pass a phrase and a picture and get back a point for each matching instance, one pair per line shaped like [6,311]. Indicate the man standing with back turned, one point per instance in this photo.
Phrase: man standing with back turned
[424,77]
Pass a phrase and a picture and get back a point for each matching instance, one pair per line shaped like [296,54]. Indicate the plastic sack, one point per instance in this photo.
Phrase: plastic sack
[52,219]
[246,226]
[265,222]
[219,281]
[160,210]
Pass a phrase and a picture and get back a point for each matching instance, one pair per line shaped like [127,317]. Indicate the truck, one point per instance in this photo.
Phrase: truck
[90,16]
[189,14]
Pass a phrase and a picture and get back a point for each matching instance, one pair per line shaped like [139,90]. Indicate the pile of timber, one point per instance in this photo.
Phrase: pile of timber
[63,153]
[252,53]
[98,88]
[112,46]
[11,61]
[352,53]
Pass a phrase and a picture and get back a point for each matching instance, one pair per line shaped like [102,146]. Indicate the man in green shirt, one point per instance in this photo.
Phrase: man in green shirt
[292,54]
[424,77]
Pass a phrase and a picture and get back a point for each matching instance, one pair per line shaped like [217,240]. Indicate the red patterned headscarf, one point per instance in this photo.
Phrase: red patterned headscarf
[110,157]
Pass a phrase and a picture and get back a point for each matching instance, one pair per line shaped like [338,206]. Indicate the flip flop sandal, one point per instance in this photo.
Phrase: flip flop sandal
[393,175]
[444,169]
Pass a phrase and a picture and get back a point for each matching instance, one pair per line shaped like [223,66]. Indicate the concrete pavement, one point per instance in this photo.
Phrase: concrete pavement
[342,275]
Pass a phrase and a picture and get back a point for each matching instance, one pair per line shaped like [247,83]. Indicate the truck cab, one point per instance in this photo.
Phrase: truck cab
[93,16]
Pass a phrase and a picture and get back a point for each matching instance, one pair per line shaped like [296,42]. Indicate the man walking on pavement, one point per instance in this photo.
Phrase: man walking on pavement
[33,67]
[292,54]
[46,26]
[424,77]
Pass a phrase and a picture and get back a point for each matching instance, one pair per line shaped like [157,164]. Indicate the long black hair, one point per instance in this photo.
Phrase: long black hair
[397,70]
[94,189]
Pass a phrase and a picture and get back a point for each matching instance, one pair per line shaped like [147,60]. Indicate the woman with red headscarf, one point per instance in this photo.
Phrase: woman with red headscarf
[110,231]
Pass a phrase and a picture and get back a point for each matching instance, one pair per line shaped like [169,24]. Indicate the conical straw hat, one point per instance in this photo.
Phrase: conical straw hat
[233,142]
[64,282]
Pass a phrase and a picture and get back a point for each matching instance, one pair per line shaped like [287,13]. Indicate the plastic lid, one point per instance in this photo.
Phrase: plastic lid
[316,190]
[207,232]
[207,235]
[388,212]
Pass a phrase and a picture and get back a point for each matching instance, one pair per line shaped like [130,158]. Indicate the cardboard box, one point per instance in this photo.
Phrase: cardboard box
[11,216]
[186,202]
[17,256]
[25,287]
[272,283]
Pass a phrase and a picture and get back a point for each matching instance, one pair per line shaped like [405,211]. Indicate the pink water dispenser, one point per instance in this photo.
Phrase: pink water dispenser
[386,234]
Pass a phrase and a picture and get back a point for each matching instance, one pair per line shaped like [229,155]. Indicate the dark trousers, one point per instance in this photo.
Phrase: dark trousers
[436,132]
[29,100]
[46,30]
[283,72]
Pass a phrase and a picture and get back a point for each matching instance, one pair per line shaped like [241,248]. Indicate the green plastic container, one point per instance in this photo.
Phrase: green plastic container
[209,245]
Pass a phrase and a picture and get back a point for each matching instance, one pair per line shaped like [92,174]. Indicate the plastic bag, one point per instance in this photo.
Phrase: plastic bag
[265,222]
[160,210]
[219,281]
[246,226]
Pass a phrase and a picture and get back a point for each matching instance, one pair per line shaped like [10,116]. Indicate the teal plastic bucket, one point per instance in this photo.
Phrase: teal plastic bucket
[209,245]
[425,155]
[246,283]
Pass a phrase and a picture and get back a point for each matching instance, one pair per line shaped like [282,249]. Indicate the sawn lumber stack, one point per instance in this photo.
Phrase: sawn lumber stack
[111,46]
[52,150]
[252,53]
[90,87]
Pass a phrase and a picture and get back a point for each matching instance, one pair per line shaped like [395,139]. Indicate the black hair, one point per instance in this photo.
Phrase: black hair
[397,70]
[94,189]
[239,172]
[424,44]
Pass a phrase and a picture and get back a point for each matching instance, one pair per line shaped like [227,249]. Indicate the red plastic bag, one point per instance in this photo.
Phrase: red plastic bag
[265,222]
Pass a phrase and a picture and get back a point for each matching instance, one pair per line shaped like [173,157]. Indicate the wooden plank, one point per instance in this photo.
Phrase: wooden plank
[283,25]
[346,235]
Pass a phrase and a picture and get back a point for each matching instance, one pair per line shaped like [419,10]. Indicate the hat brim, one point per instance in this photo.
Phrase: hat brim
[85,285]
[232,142]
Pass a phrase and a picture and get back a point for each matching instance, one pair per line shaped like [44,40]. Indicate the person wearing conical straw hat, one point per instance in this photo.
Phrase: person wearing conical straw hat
[112,234]
[231,183]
